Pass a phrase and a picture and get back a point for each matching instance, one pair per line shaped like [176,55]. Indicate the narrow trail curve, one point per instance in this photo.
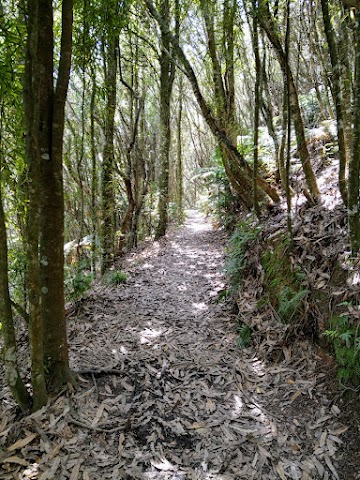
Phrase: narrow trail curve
[171,395]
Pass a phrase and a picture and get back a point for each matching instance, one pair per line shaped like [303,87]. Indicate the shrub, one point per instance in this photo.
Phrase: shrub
[344,336]
[114,277]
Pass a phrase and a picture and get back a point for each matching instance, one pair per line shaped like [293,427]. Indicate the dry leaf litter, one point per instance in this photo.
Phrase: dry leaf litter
[164,392]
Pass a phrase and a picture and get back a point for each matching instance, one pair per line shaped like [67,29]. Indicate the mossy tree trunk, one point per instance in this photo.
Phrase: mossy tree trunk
[44,111]
[52,225]
[167,76]
[354,166]
[107,182]
[10,358]
[339,106]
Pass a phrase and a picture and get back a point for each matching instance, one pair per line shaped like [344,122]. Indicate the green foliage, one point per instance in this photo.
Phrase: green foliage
[290,303]
[310,109]
[219,202]
[176,214]
[245,234]
[244,335]
[283,283]
[344,335]
[17,271]
[114,277]
[78,280]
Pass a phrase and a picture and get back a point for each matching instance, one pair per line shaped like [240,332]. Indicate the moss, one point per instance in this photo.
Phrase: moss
[283,282]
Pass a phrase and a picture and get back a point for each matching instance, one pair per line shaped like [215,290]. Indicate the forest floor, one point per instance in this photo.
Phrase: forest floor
[165,392]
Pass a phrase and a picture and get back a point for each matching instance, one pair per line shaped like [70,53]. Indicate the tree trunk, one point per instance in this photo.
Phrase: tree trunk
[108,197]
[94,178]
[52,239]
[354,166]
[12,375]
[167,76]
[33,97]
[44,109]
[257,108]
[339,109]
[179,163]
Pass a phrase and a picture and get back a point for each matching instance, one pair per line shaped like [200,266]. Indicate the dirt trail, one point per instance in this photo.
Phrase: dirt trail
[166,393]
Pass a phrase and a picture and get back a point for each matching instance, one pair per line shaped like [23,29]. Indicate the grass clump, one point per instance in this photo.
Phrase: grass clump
[114,277]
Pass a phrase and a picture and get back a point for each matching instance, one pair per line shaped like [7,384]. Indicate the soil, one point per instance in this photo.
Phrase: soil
[165,391]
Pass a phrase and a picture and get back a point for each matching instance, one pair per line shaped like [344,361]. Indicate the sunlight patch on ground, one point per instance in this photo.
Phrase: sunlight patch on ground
[354,279]
[197,228]
[178,474]
[147,335]
[147,266]
[200,307]
[238,407]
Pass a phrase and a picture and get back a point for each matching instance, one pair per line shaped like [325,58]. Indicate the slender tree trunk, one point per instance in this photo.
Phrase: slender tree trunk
[33,96]
[108,197]
[10,359]
[287,106]
[335,63]
[179,169]
[354,166]
[167,76]
[94,174]
[257,108]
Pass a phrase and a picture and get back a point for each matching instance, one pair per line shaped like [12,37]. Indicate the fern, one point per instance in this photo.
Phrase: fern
[290,303]
[239,244]
[344,336]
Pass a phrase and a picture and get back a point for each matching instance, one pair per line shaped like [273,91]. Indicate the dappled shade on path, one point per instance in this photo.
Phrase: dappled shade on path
[165,392]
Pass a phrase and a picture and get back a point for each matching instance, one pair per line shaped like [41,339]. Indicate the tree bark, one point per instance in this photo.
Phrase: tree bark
[167,76]
[354,166]
[10,358]
[335,63]
[108,198]
[52,239]
[33,96]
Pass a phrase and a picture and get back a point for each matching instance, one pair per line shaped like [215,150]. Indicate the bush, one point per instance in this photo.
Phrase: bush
[78,280]
[114,277]
[345,338]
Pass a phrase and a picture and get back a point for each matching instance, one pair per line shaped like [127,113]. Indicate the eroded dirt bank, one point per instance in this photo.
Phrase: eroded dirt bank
[164,391]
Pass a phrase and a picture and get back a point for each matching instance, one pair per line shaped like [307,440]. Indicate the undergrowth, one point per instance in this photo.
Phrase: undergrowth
[114,277]
[344,335]
[237,253]
[78,280]
[283,283]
